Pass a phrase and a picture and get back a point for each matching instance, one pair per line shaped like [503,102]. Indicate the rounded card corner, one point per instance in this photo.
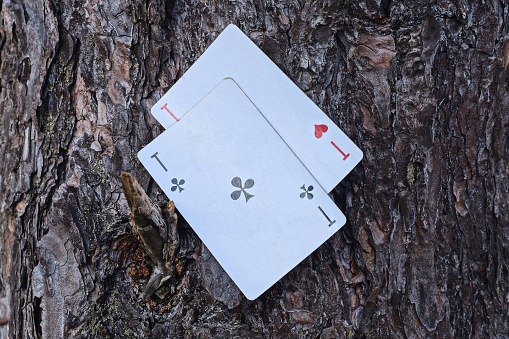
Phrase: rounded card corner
[141,152]
[232,27]
[252,296]
[342,222]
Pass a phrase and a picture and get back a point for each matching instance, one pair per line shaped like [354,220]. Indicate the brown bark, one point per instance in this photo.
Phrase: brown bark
[422,87]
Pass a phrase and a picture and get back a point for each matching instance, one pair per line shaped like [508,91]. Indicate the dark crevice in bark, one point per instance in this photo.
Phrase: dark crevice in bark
[385,7]
[37,316]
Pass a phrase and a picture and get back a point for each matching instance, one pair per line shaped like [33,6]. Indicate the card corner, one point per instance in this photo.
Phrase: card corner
[232,26]
[361,154]
[139,155]
[340,222]
[142,153]
[153,109]
[251,296]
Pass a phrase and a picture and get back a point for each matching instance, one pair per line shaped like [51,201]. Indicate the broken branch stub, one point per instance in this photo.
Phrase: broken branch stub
[157,231]
[146,218]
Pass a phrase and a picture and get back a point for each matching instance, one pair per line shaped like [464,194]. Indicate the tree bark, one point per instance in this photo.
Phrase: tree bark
[421,87]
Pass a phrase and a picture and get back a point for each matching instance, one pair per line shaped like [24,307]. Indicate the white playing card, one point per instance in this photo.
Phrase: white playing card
[242,190]
[322,147]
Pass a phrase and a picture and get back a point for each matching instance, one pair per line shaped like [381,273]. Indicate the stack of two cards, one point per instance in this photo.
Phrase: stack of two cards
[249,160]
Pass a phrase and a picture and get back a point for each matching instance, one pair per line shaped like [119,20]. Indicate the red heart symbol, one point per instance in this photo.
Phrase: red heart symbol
[319,130]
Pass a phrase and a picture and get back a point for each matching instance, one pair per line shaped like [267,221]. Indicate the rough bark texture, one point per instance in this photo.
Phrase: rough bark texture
[422,87]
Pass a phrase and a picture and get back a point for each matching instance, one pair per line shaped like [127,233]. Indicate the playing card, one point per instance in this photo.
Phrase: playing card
[320,145]
[241,188]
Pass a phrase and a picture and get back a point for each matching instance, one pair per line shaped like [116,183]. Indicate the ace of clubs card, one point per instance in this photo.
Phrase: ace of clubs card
[241,188]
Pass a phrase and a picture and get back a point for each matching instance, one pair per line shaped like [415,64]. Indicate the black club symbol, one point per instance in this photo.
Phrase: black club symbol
[306,192]
[237,182]
[178,184]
